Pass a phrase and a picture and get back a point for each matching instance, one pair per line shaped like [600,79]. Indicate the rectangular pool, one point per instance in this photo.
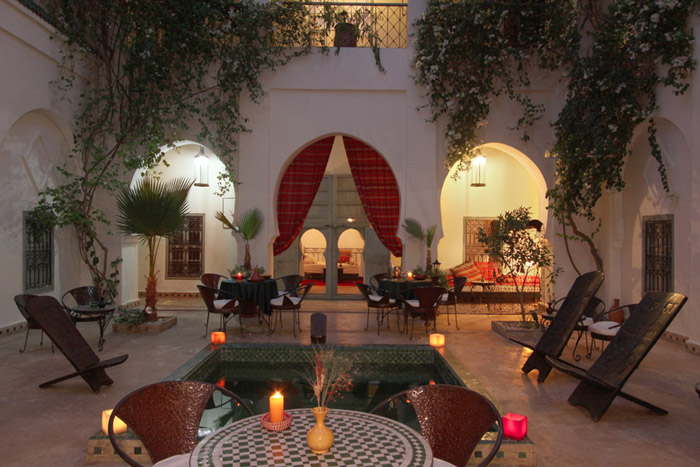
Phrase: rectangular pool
[255,371]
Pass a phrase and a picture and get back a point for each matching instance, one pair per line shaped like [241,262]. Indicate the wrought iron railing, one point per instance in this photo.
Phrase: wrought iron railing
[361,24]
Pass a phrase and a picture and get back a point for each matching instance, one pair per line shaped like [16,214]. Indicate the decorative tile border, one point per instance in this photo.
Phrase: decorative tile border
[13,328]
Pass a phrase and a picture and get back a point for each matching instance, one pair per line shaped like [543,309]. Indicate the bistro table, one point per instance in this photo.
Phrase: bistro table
[104,315]
[258,292]
[360,438]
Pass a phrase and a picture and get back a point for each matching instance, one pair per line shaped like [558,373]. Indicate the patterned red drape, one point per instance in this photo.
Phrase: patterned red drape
[298,189]
[378,191]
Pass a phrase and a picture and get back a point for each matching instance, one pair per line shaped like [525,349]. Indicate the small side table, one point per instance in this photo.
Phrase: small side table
[104,316]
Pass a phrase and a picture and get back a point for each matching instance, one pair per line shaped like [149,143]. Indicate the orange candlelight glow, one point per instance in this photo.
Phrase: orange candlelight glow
[118,425]
[218,337]
[239,276]
[409,275]
[437,340]
[276,408]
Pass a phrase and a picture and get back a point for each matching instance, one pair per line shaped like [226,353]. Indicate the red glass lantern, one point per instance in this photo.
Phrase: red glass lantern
[514,426]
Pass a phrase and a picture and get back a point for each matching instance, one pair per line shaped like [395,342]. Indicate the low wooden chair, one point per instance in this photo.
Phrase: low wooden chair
[556,336]
[603,382]
[48,313]
[166,416]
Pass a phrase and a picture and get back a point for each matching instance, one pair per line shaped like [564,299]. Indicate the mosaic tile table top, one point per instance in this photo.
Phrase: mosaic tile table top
[360,439]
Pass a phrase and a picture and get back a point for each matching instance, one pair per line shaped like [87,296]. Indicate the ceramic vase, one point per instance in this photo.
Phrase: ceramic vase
[320,437]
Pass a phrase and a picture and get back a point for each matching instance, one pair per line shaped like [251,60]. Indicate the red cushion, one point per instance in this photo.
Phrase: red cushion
[344,259]
[469,270]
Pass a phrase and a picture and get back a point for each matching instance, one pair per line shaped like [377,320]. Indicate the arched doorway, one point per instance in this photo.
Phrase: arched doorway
[345,190]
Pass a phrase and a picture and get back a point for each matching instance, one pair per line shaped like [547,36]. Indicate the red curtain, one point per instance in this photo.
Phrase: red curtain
[378,191]
[298,189]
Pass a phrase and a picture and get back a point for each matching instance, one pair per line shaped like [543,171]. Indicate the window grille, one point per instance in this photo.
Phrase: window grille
[38,256]
[186,250]
[473,249]
[658,254]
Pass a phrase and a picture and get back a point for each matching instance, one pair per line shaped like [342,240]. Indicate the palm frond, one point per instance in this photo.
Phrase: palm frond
[220,216]
[414,228]
[248,223]
[430,235]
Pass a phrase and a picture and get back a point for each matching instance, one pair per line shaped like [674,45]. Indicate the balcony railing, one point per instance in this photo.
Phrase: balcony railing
[361,24]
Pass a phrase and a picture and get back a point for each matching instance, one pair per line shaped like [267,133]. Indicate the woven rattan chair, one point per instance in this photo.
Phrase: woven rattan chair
[374,280]
[285,303]
[166,416]
[211,279]
[424,306]
[383,304]
[450,297]
[48,313]
[21,302]
[452,419]
[290,284]
[224,307]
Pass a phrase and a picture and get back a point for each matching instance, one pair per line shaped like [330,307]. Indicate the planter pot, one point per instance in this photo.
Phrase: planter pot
[514,329]
[162,323]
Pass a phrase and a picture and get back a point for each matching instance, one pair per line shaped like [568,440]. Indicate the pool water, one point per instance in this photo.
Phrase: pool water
[256,371]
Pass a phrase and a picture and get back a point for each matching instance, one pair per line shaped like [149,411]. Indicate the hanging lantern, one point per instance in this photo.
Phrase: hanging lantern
[478,171]
[201,168]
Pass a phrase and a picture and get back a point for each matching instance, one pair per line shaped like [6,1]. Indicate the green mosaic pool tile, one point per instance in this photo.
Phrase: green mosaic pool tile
[478,454]
[522,455]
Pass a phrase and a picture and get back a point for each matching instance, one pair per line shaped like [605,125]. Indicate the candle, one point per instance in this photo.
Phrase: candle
[118,425]
[437,340]
[276,408]
[409,275]
[239,276]
[218,337]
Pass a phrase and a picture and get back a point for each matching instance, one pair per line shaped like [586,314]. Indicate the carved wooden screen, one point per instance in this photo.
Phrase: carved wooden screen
[658,254]
[473,250]
[186,250]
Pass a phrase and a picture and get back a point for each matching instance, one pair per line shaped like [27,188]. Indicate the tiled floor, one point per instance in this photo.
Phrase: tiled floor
[50,427]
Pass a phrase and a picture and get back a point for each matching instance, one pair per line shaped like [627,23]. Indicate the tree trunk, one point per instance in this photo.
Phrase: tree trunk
[151,298]
[246,260]
[428,261]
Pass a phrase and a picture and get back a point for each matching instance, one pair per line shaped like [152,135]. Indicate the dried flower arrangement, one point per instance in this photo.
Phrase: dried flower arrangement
[330,375]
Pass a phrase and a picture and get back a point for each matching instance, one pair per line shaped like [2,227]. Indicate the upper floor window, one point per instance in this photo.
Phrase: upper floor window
[658,254]
[38,256]
[186,250]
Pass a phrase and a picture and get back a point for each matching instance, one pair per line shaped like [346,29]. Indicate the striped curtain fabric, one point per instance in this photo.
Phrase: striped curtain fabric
[378,191]
[298,189]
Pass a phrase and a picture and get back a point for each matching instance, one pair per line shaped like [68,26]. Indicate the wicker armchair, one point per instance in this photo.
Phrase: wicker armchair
[166,416]
[383,304]
[450,297]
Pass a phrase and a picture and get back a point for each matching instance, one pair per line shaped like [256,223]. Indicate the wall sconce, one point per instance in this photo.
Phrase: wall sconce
[514,426]
[119,426]
[437,340]
[351,220]
[478,171]
[201,168]
[218,337]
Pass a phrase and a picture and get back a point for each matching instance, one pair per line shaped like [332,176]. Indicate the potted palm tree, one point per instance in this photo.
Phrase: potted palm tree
[415,229]
[247,225]
[153,210]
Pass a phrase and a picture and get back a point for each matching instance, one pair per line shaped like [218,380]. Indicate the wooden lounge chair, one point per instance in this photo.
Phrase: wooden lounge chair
[604,380]
[554,339]
[48,313]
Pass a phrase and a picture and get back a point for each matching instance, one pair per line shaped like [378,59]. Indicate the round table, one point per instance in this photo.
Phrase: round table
[360,438]
[404,287]
[260,292]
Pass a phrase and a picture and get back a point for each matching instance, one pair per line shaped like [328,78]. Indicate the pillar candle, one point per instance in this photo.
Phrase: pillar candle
[118,425]
[276,408]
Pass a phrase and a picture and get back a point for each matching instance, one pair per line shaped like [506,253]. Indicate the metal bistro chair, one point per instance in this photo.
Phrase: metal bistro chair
[21,302]
[452,419]
[290,302]
[384,305]
[450,297]
[224,307]
[166,416]
[290,284]
[424,306]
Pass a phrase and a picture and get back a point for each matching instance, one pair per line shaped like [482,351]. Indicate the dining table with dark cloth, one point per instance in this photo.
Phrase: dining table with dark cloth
[397,287]
[258,292]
